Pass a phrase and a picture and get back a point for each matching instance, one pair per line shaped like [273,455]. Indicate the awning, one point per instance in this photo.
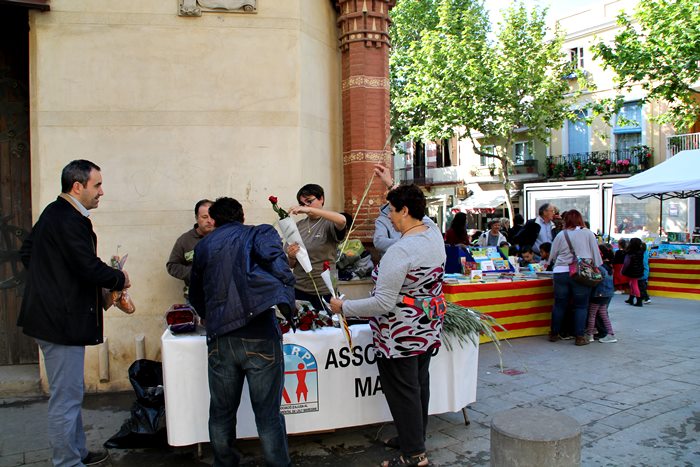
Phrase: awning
[483,201]
[42,5]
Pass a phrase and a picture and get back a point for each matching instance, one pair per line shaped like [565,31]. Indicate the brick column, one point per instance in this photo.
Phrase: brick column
[364,44]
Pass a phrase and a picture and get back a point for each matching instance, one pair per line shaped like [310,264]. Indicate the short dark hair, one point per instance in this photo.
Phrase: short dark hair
[493,221]
[310,189]
[410,196]
[199,205]
[527,249]
[543,208]
[546,246]
[226,210]
[518,219]
[76,171]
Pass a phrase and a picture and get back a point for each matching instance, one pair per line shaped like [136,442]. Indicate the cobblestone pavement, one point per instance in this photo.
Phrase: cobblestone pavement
[638,401]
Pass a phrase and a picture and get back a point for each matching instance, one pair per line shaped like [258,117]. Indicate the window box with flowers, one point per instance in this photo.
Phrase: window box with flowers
[641,155]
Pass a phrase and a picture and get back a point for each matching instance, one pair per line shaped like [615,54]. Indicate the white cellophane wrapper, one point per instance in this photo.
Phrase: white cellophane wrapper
[291,234]
[326,276]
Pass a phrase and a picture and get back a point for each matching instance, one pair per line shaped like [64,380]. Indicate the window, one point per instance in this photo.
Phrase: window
[522,152]
[576,57]
[577,134]
[628,126]
[483,160]
[442,154]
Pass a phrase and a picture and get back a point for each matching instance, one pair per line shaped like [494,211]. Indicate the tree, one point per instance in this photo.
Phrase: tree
[460,81]
[659,50]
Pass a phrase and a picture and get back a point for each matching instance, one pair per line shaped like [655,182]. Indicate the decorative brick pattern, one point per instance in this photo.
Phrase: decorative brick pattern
[364,43]
[365,82]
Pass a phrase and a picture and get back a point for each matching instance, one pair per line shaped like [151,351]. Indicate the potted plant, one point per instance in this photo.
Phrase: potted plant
[492,169]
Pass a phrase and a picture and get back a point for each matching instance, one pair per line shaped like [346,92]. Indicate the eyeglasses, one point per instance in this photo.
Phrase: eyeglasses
[307,202]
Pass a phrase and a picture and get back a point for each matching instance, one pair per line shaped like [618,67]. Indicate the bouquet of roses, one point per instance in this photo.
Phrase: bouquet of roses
[291,234]
[306,318]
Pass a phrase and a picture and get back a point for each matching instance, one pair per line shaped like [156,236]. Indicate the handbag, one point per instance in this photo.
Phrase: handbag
[583,270]
[434,309]
[181,318]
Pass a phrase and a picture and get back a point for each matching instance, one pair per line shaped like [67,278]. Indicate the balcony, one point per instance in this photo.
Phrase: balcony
[678,143]
[600,163]
[416,174]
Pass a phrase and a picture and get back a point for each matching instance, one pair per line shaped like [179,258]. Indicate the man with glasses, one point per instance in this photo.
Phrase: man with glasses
[321,231]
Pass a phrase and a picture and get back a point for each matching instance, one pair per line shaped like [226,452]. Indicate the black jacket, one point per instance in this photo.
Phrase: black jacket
[528,234]
[238,272]
[634,265]
[62,297]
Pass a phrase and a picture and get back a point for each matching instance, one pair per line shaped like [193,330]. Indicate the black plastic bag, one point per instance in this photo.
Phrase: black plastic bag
[146,425]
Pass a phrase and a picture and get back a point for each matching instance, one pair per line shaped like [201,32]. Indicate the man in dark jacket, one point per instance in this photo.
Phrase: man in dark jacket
[62,305]
[239,274]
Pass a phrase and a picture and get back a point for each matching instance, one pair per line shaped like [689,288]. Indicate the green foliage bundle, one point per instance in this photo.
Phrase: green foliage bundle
[466,325]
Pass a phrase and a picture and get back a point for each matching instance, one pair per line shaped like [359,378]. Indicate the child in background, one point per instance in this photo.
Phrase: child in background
[545,249]
[643,282]
[633,268]
[619,280]
[527,257]
[600,298]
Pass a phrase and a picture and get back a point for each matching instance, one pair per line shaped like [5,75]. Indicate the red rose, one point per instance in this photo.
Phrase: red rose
[273,199]
[326,265]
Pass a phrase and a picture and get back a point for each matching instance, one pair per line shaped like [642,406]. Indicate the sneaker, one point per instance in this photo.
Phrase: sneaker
[95,457]
[609,339]
[589,337]
[647,301]
[567,338]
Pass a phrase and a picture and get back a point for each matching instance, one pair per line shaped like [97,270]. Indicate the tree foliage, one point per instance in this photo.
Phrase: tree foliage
[453,76]
[659,49]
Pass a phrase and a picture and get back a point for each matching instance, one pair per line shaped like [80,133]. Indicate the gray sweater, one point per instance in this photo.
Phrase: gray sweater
[584,243]
[426,249]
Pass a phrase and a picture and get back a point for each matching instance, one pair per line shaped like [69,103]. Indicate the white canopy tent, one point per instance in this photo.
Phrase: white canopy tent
[677,177]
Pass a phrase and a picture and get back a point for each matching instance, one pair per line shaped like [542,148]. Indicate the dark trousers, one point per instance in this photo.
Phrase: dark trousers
[406,385]
[643,284]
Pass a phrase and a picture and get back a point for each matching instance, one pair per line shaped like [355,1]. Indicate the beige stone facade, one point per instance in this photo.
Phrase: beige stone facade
[175,109]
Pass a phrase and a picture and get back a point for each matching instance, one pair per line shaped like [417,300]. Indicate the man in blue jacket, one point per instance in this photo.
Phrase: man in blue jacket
[239,274]
[62,304]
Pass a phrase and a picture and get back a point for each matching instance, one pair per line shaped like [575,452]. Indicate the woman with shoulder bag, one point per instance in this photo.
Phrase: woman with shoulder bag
[566,289]
[633,268]
[406,314]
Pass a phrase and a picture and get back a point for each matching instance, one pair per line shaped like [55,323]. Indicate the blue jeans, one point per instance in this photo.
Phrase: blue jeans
[64,371]
[261,362]
[569,294]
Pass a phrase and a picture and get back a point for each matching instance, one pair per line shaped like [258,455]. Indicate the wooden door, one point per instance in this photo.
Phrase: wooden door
[15,200]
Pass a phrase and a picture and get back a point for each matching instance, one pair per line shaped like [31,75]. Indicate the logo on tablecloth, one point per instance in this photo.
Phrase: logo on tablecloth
[300,392]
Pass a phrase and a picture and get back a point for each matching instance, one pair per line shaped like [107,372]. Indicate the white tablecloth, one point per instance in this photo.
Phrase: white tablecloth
[326,385]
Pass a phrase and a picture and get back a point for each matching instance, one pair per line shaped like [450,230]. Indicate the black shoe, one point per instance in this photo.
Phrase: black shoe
[638,302]
[630,300]
[95,457]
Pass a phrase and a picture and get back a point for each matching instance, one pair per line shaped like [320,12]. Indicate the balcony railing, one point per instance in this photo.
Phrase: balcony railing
[678,143]
[598,163]
[415,174]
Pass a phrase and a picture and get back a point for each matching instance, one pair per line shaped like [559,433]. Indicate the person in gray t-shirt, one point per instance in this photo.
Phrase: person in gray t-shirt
[321,231]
